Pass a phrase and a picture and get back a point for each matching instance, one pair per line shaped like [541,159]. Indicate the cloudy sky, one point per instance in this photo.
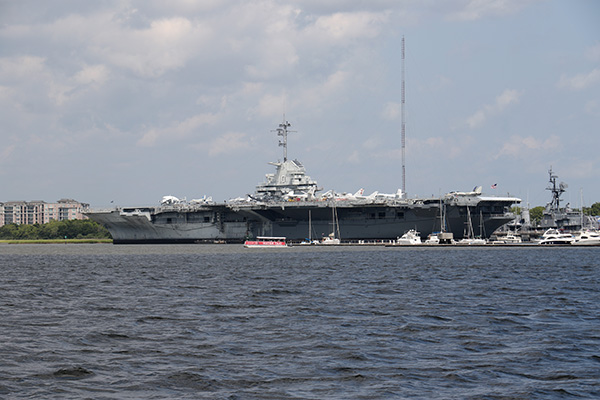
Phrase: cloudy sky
[128,101]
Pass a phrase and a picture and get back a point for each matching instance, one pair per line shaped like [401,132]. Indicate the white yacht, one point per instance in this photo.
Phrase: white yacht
[472,241]
[553,236]
[409,238]
[587,238]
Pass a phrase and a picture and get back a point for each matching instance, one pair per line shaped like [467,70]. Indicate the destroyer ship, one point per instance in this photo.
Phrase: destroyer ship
[290,204]
[564,218]
[555,215]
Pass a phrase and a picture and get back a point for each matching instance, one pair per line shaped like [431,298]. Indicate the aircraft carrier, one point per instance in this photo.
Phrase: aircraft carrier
[289,203]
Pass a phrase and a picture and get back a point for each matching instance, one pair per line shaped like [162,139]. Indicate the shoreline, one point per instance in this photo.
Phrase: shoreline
[55,241]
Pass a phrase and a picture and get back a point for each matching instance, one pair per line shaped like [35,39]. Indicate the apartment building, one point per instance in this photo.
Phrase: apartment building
[40,212]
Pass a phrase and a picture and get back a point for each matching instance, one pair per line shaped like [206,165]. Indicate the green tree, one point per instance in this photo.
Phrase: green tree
[28,231]
[49,230]
[536,214]
[8,231]
[593,210]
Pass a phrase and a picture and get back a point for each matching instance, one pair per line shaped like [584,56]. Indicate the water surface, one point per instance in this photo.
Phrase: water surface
[222,322]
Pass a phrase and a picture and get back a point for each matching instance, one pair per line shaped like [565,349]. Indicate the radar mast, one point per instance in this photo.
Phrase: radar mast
[557,190]
[283,131]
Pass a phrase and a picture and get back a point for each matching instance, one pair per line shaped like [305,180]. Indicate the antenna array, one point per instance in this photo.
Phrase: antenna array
[403,101]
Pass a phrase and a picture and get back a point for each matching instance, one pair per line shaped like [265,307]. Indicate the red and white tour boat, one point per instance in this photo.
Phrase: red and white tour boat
[266,242]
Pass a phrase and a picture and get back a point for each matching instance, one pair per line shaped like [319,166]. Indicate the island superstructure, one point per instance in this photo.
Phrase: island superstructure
[290,204]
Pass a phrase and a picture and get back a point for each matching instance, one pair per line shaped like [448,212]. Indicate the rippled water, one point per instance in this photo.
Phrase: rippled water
[223,322]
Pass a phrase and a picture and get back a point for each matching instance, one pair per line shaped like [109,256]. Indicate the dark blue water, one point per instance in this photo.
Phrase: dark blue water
[223,322]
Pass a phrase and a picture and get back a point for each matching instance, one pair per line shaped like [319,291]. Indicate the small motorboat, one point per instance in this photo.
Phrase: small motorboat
[511,238]
[440,238]
[432,239]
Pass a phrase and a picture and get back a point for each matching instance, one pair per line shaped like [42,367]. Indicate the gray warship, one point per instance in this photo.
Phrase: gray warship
[290,204]
[564,218]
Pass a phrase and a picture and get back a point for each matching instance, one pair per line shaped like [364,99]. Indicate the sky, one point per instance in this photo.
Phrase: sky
[123,102]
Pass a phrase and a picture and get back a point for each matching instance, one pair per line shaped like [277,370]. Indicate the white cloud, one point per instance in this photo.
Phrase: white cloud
[322,95]
[62,90]
[592,107]
[435,142]
[372,143]
[33,71]
[336,81]
[21,67]
[580,81]
[161,7]
[219,74]
[277,57]
[521,147]
[228,143]
[354,157]
[476,119]
[391,111]
[477,9]
[177,130]
[593,53]
[508,97]
[270,105]
[163,46]
[7,152]
[438,83]
[349,25]
[583,169]
[6,93]
[30,76]
[148,48]
[268,49]
[439,148]
[92,74]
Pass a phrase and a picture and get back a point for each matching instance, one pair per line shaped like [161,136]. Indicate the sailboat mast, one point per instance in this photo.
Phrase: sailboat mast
[581,207]
[337,224]
[309,227]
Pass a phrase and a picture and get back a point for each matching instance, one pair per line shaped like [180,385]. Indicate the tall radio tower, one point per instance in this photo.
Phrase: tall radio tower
[402,103]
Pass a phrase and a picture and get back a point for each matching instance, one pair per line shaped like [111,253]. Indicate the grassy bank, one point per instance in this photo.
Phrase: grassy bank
[55,241]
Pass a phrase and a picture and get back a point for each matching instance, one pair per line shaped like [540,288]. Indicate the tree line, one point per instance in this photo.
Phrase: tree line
[70,229]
